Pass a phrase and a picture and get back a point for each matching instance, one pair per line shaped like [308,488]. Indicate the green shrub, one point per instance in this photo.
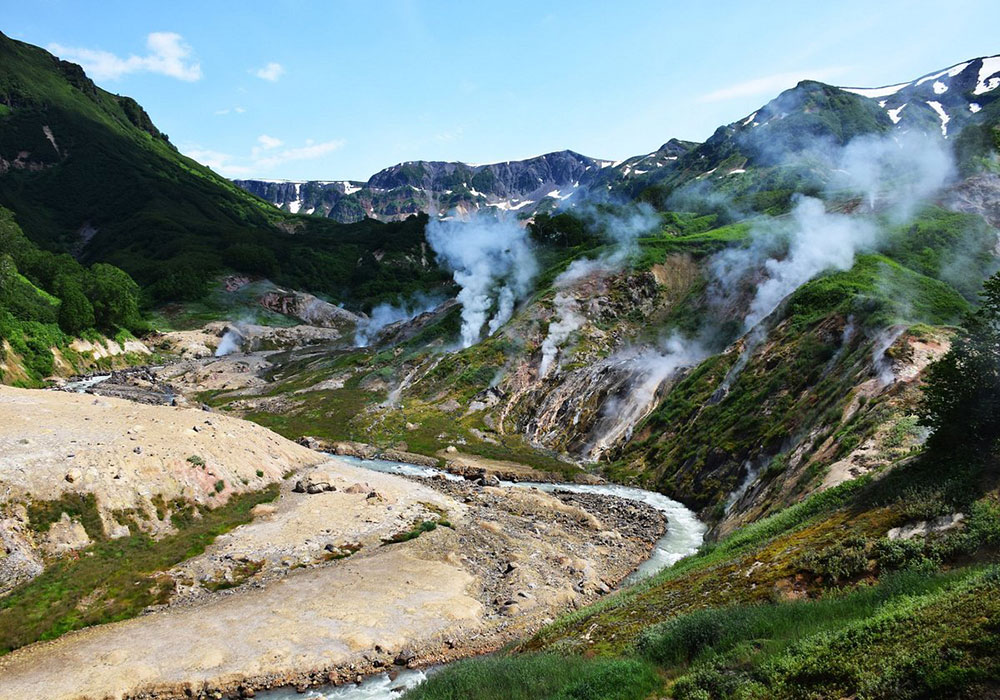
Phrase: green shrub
[841,561]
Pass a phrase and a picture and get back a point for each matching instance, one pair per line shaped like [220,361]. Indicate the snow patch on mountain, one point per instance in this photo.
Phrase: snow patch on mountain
[877,92]
[987,76]
[942,115]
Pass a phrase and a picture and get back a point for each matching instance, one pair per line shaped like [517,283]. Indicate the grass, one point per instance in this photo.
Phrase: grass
[917,635]
[765,630]
[540,677]
[114,579]
[414,532]
[82,507]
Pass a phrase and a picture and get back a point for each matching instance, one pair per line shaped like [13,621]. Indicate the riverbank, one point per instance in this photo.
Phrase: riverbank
[348,573]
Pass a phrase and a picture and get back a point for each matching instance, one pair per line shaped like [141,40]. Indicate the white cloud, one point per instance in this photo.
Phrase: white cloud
[272,71]
[227,110]
[216,160]
[768,84]
[269,141]
[168,55]
[308,152]
[233,166]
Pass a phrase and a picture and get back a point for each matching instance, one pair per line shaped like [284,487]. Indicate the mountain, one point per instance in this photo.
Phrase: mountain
[791,329]
[949,99]
[525,187]
[798,120]
[762,349]
[399,191]
[87,172]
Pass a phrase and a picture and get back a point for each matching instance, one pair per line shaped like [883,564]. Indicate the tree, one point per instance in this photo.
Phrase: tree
[75,311]
[961,402]
[115,297]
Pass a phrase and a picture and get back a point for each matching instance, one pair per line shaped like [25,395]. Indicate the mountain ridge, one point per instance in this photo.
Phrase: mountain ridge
[412,187]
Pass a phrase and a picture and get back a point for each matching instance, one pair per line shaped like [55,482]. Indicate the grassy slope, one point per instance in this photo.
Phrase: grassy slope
[760,615]
[162,217]
[797,384]
[111,579]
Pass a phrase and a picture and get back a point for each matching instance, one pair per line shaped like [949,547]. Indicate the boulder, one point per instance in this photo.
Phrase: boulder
[316,482]
[66,535]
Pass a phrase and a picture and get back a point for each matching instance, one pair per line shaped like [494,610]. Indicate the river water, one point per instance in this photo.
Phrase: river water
[683,537]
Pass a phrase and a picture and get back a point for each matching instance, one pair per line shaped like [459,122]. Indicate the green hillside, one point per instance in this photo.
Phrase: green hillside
[110,187]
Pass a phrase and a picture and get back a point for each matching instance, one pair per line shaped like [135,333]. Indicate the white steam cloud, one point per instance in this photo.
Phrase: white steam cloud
[819,241]
[899,171]
[493,263]
[386,314]
[621,230]
[894,173]
[567,319]
[232,341]
[650,368]
[884,370]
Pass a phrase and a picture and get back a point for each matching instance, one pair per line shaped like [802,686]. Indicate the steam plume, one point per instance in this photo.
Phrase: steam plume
[621,229]
[559,330]
[493,263]
[386,314]
[232,341]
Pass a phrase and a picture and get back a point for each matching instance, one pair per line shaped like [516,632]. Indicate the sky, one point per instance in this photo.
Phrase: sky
[310,90]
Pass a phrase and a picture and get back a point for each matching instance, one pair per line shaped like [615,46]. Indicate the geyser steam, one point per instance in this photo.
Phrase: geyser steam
[493,263]
[386,314]
[621,230]
[231,342]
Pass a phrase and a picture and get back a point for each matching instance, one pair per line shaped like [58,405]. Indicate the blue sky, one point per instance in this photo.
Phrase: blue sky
[338,90]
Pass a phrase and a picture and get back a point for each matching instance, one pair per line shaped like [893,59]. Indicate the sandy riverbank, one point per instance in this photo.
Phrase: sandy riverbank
[506,561]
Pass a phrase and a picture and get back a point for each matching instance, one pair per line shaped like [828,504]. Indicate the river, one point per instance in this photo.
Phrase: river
[683,537]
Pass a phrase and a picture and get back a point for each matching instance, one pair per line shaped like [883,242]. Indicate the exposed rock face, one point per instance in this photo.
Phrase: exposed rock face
[20,560]
[978,195]
[65,535]
[522,187]
[308,308]
[602,386]
[202,343]
[401,331]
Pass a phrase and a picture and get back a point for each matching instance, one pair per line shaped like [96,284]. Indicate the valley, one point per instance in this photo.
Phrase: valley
[716,421]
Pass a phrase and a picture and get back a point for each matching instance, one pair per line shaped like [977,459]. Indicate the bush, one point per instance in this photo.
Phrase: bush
[838,562]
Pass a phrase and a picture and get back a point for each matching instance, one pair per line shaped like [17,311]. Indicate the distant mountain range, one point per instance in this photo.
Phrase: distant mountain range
[523,187]
[944,101]
[87,172]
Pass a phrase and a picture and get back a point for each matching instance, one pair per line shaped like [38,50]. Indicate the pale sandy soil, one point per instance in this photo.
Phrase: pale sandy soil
[509,561]
[314,619]
[126,453]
